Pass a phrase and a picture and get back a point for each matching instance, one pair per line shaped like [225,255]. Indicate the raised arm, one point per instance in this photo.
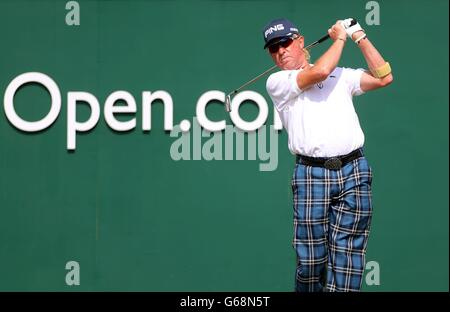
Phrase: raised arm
[327,62]
[379,74]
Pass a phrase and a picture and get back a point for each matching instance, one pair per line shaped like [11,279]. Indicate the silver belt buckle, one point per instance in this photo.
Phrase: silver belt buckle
[333,163]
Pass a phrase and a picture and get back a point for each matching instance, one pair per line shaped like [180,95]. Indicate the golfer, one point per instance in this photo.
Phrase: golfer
[332,179]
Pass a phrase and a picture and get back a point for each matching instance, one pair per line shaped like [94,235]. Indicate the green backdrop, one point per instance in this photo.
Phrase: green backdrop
[134,219]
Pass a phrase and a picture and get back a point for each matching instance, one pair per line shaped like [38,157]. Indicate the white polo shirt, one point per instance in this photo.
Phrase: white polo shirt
[321,120]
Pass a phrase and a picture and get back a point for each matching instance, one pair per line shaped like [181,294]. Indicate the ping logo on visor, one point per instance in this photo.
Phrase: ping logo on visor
[273,28]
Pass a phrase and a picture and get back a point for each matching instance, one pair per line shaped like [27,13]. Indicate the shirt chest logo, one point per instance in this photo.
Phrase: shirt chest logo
[320,84]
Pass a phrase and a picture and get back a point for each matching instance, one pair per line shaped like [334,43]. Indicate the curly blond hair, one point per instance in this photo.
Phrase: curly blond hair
[305,51]
[307,55]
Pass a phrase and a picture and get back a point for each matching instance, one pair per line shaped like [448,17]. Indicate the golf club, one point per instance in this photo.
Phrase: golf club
[229,95]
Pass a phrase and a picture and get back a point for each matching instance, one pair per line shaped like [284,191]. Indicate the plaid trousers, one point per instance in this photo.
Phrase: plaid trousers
[332,216]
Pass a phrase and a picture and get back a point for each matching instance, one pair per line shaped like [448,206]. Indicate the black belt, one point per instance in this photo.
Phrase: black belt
[332,163]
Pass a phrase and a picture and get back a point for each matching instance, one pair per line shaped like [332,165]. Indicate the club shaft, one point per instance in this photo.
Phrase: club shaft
[318,41]
[253,80]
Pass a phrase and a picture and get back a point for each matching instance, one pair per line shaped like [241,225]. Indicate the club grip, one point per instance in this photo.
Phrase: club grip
[323,38]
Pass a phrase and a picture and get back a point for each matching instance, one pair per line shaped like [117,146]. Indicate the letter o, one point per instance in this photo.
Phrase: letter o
[262,107]
[15,84]
[200,111]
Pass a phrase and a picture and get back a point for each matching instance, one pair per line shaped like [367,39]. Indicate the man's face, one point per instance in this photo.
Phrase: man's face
[288,54]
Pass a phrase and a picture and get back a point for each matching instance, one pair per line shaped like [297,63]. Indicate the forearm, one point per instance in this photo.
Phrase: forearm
[374,60]
[371,54]
[330,59]
[380,71]
[327,62]
[322,67]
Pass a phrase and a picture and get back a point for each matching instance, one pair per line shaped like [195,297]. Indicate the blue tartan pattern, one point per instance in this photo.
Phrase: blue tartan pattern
[332,216]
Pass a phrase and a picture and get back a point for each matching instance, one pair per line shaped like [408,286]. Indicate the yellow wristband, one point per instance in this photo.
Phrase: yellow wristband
[382,71]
